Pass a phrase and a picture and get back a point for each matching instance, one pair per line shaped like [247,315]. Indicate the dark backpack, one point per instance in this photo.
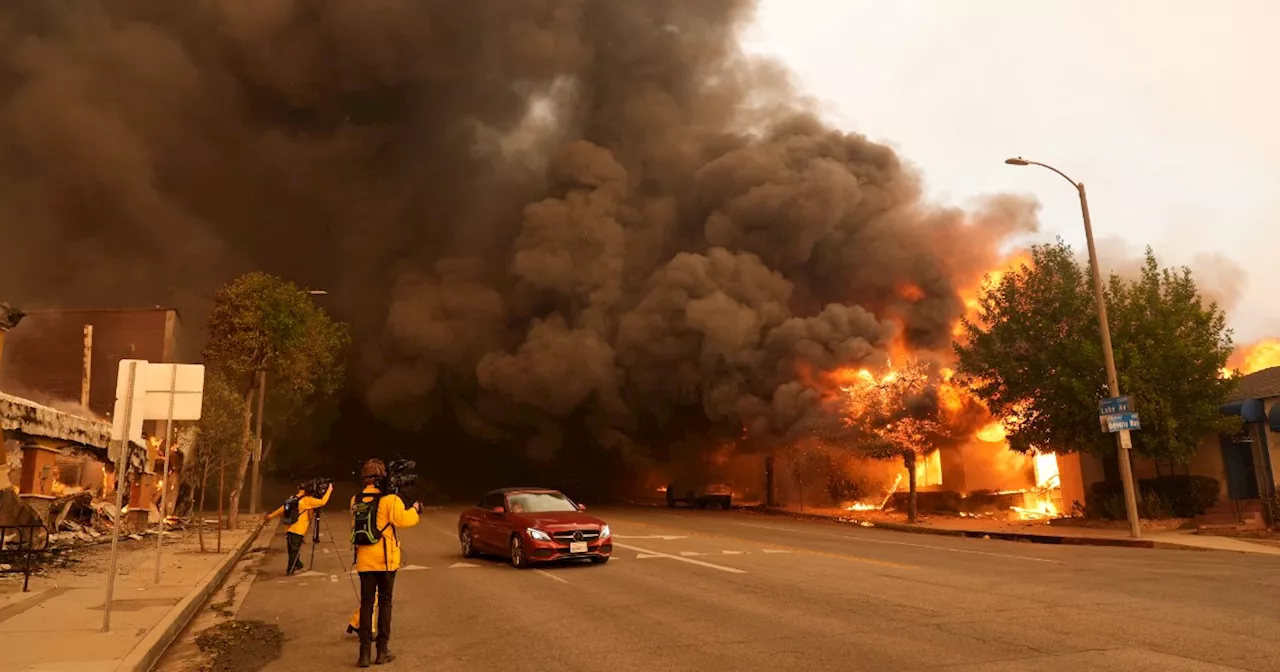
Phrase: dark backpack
[364,517]
[291,511]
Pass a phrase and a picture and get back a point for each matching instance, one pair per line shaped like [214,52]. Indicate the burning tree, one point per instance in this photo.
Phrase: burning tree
[894,416]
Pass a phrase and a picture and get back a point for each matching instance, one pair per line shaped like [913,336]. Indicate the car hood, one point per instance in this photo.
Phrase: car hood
[558,520]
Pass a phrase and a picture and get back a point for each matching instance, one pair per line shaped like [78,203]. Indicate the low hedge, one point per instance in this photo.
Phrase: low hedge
[1178,496]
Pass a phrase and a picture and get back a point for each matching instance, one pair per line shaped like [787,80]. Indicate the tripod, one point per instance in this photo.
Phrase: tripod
[315,537]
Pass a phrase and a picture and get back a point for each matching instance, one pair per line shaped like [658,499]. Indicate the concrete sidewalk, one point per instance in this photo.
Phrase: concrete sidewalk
[1036,532]
[57,625]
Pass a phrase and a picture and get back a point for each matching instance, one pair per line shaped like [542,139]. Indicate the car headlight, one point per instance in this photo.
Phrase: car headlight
[604,531]
[538,534]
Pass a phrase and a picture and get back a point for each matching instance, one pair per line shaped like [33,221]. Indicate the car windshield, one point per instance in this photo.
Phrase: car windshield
[540,502]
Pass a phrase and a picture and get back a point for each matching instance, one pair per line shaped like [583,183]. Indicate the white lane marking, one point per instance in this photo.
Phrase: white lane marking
[734,552]
[308,573]
[642,556]
[690,553]
[461,565]
[775,550]
[410,568]
[324,550]
[691,561]
[664,537]
[333,578]
[549,575]
[899,543]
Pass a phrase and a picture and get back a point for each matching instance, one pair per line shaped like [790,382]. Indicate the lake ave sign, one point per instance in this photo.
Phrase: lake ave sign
[1117,415]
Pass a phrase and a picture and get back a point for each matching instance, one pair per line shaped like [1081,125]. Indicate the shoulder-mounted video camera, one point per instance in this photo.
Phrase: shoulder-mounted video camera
[316,487]
[398,479]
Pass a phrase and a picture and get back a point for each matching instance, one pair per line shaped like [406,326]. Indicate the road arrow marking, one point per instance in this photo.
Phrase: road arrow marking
[774,550]
[688,554]
[734,552]
[461,565]
[663,537]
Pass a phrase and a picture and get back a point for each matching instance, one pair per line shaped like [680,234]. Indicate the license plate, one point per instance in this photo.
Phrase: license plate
[577,547]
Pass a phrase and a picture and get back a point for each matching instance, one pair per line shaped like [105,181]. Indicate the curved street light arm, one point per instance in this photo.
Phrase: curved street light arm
[1074,183]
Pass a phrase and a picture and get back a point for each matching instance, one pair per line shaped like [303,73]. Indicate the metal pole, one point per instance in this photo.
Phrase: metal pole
[122,463]
[86,371]
[1123,442]
[86,366]
[255,485]
[168,453]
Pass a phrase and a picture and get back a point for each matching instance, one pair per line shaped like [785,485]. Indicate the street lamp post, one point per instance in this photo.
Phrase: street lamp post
[255,482]
[1123,442]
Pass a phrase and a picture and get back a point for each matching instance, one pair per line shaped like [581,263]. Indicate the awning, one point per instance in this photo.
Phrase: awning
[1250,410]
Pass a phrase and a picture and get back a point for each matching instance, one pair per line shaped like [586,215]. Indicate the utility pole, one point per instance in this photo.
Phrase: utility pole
[86,376]
[1123,440]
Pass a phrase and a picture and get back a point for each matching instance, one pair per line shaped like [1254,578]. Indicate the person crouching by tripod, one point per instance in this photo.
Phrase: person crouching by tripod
[375,517]
[295,512]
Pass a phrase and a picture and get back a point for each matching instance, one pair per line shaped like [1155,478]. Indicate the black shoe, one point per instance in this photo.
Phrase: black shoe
[364,655]
[352,631]
[384,655]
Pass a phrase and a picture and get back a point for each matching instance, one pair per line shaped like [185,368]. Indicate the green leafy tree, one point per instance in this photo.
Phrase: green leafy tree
[261,323]
[218,437]
[1173,348]
[894,416]
[1033,354]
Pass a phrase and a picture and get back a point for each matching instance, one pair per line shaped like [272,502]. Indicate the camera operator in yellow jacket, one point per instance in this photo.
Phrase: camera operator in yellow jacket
[377,562]
[303,504]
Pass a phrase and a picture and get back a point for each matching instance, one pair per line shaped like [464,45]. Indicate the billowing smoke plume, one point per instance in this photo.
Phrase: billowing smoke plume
[538,214]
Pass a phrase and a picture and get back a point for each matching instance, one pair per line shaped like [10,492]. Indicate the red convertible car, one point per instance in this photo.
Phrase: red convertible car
[533,526]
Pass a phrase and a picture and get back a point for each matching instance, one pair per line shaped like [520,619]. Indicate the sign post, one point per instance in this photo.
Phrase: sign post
[126,426]
[1118,417]
[177,391]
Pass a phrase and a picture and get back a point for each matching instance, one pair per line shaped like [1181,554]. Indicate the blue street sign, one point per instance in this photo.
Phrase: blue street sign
[1119,422]
[1115,405]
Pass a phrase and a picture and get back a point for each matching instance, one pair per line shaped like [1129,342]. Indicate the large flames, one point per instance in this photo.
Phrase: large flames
[960,415]
[1253,357]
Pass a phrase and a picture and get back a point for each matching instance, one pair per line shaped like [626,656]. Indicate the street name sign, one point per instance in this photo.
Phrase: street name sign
[1115,405]
[1121,422]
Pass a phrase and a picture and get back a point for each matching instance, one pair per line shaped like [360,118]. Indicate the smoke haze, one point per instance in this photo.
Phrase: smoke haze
[543,217]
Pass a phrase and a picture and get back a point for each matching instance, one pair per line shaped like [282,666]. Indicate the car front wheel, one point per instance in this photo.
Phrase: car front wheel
[468,544]
[518,558]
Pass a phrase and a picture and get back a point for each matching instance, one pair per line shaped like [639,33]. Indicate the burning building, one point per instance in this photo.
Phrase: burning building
[69,360]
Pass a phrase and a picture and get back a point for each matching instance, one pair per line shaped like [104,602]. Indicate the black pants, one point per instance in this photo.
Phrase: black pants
[380,584]
[294,542]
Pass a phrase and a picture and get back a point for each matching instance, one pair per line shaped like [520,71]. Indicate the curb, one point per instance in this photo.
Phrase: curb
[146,653]
[1003,536]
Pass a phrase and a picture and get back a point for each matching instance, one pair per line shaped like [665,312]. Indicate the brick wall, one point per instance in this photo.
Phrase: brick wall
[44,353]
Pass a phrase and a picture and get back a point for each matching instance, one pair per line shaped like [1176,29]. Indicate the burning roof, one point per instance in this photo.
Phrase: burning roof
[33,419]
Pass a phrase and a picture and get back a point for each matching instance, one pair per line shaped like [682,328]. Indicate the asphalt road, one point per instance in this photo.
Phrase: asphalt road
[715,590]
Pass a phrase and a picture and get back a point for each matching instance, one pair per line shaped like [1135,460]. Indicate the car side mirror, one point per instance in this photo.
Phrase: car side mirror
[582,507]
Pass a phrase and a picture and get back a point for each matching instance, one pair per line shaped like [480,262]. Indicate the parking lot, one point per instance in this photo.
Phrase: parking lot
[707,590]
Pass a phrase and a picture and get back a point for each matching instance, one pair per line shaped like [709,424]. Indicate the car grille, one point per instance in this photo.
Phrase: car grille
[571,535]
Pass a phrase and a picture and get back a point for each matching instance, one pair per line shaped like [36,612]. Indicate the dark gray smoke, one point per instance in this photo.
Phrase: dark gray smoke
[538,213]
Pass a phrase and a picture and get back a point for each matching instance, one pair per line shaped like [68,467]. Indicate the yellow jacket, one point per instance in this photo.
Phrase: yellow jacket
[384,556]
[305,504]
